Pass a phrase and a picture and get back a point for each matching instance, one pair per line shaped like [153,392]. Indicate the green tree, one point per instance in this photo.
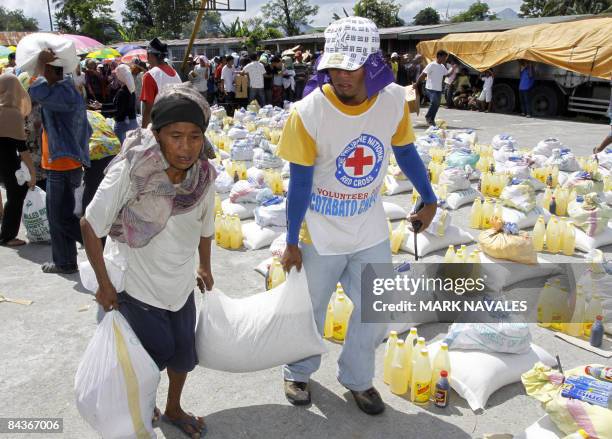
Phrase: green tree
[88,17]
[532,8]
[576,7]
[289,15]
[382,12]
[158,18]
[476,12]
[427,16]
[336,16]
[16,21]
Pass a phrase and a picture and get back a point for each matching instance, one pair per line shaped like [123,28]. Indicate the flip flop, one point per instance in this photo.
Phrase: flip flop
[182,424]
[50,267]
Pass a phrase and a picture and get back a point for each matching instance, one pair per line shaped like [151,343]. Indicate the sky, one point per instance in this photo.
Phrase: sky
[38,8]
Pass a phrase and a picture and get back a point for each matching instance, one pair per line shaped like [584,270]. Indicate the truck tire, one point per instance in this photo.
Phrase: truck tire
[504,98]
[544,101]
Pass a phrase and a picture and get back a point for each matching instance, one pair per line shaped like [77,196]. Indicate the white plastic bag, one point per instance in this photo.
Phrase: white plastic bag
[393,211]
[223,182]
[564,160]
[116,266]
[546,146]
[394,186]
[116,382]
[260,331]
[78,200]
[31,45]
[22,174]
[501,140]
[256,237]
[455,200]
[455,179]
[244,210]
[440,223]
[273,215]
[428,243]
[34,216]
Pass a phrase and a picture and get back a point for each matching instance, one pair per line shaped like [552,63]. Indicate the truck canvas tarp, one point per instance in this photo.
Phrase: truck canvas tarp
[583,46]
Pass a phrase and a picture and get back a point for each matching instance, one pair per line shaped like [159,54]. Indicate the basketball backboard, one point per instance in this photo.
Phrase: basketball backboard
[220,5]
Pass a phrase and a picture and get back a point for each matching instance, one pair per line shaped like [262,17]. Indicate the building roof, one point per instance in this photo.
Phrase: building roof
[437,30]
[428,32]
[196,42]
[11,38]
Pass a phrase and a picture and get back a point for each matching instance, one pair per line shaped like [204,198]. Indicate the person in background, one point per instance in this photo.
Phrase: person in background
[462,97]
[463,80]
[255,71]
[104,145]
[288,74]
[301,74]
[394,64]
[125,102]
[95,83]
[228,74]
[473,103]
[485,101]
[265,60]
[80,82]
[11,66]
[608,140]
[413,69]
[402,76]
[449,83]
[15,105]
[526,83]
[159,76]
[65,150]
[199,75]
[211,89]
[220,63]
[164,229]
[435,73]
[277,81]
[139,68]
[33,131]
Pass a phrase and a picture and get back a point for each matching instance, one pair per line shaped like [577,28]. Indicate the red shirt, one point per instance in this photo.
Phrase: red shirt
[218,70]
[149,87]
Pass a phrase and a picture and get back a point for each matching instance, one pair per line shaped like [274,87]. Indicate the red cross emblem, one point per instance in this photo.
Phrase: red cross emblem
[358,161]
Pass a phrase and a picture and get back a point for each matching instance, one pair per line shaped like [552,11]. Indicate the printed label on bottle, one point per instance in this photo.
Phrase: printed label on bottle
[422,392]
[441,398]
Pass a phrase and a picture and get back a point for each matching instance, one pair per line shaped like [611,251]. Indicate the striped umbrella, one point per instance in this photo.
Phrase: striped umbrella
[132,55]
[84,44]
[106,53]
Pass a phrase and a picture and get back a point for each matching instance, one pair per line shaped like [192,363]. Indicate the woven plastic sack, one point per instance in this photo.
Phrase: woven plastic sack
[273,215]
[569,415]
[394,186]
[585,182]
[437,131]
[116,382]
[502,154]
[498,244]
[605,158]
[31,45]
[456,142]
[455,179]
[242,150]
[520,195]
[467,135]
[591,215]
[546,146]
[564,159]
[237,133]
[497,336]
[243,192]
[501,140]
[264,159]
[34,216]
[455,200]
[516,166]
[460,158]
[429,141]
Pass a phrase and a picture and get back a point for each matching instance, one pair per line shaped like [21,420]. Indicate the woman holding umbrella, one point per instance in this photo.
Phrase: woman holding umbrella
[125,102]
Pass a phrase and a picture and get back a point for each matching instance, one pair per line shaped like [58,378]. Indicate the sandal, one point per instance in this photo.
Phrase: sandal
[156,415]
[51,268]
[189,426]
[14,243]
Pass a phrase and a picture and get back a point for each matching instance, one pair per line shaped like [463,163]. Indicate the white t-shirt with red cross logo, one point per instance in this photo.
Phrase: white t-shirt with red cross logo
[349,147]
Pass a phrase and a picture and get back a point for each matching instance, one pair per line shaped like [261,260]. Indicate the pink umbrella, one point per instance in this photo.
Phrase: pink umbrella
[84,44]
[132,55]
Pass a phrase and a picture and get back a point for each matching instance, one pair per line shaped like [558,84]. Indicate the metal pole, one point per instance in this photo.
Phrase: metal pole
[196,27]
[50,18]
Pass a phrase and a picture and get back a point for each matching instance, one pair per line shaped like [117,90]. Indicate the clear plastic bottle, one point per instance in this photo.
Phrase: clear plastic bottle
[546,198]
[440,362]
[328,330]
[342,314]
[399,372]
[538,234]
[420,389]
[552,235]
[225,232]
[576,326]
[397,236]
[476,214]
[410,342]
[487,213]
[235,232]
[389,354]
[418,346]
[593,309]
[569,240]
[449,256]
[276,274]
[218,228]
[545,303]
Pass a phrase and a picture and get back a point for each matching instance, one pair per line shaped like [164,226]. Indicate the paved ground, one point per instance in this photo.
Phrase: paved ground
[41,346]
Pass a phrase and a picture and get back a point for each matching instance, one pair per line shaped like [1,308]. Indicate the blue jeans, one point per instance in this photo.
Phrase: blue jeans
[356,362]
[259,94]
[122,127]
[434,104]
[525,97]
[63,224]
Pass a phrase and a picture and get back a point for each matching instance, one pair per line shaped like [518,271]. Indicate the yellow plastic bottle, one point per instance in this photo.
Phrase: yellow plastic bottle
[485,183]
[217,204]
[218,226]
[576,326]
[328,329]
[552,235]
[420,344]
[440,362]
[389,353]
[236,233]
[594,309]
[277,274]
[459,257]
[390,230]
[399,371]
[569,240]
[538,234]
[225,232]
[546,199]
[476,214]
[397,236]
[420,388]
[449,256]
[499,211]
[342,313]
[409,344]
[474,257]
[546,301]
[487,213]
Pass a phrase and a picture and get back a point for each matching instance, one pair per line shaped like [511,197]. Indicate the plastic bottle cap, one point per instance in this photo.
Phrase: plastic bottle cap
[599,318]
[393,334]
[400,342]
[444,347]
[424,351]
[444,374]
[421,340]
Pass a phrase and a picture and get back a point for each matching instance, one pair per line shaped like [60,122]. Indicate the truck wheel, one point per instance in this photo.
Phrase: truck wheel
[544,101]
[504,98]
